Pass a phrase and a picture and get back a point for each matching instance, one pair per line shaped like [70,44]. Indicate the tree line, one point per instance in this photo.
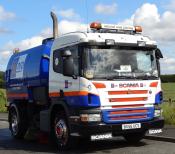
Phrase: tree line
[164,79]
[168,78]
[2,82]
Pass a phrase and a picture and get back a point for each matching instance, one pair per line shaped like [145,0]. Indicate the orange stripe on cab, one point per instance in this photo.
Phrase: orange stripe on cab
[76,93]
[153,84]
[70,93]
[21,95]
[54,94]
[99,85]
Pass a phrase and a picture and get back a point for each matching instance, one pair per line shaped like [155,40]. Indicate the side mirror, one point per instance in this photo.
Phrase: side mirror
[158,54]
[68,66]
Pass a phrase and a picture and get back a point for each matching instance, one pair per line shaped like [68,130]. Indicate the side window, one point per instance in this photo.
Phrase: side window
[57,61]
[74,51]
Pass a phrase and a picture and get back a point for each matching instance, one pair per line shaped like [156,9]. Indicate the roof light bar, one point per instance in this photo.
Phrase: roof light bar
[98,26]
[138,29]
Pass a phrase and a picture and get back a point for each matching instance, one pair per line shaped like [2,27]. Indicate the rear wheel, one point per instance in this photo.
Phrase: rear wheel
[17,122]
[134,137]
[61,132]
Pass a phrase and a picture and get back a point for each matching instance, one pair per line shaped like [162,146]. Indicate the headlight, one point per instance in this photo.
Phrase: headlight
[90,117]
[157,113]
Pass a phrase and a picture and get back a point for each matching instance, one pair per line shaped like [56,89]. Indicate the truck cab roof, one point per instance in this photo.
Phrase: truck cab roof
[83,37]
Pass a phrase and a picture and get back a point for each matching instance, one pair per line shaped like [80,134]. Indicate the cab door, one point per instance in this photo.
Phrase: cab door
[61,85]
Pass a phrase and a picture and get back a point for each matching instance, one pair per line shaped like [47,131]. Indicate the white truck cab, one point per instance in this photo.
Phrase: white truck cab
[110,76]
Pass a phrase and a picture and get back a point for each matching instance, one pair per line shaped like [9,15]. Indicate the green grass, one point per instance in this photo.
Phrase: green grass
[168,91]
[169,113]
[2,100]
[169,103]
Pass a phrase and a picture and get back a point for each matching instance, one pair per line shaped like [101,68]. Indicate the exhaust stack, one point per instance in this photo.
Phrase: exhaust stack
[55,25]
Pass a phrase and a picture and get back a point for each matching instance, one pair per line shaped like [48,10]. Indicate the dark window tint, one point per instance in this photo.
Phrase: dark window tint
[58,59]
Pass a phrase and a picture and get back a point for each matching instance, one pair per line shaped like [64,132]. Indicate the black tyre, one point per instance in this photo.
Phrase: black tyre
[61,132]
[17,122]
[134,137]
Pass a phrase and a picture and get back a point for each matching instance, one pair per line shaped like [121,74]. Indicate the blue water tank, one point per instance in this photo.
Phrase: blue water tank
[31,67]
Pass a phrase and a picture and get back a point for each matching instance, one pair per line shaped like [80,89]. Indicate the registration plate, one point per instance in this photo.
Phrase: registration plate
[131,126]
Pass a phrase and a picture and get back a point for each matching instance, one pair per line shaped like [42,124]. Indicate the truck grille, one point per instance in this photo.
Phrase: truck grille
[120,115]
[114,96]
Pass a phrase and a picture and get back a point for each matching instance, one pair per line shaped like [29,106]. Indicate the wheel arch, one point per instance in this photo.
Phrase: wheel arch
[56,107]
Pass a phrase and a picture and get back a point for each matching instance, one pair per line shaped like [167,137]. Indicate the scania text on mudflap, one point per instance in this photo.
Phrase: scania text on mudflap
[96,84]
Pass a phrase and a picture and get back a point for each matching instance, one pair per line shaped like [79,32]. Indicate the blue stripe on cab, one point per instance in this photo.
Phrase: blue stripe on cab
[90,100]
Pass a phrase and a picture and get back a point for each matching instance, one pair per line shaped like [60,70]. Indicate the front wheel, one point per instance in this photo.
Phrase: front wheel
[61,132]
[134,137]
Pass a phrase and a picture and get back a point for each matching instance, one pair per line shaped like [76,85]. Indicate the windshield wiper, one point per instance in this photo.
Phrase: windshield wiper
[146,77]
[120,77]
[143,77]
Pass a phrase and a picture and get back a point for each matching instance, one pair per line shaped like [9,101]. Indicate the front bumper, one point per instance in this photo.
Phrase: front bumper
[87,129]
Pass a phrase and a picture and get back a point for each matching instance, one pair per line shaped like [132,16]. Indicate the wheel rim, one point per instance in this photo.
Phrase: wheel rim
[61,132]
[14,124]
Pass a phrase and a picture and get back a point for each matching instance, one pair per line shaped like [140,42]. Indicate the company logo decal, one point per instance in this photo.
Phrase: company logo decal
[68,84]
[128,85]
[131,85]
[18,67]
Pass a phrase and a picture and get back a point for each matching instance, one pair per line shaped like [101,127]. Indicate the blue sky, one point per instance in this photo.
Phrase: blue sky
[24,23]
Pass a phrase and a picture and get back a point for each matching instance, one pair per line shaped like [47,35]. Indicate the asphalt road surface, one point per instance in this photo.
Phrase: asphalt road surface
[9,145]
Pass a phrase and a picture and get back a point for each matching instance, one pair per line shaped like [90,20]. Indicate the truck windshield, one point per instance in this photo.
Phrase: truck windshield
[116,63]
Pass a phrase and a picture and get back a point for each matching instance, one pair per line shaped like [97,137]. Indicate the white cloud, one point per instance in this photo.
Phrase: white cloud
[168,65]
[22,45]
[5,15]
[69,14]
[8,49]
[46,33]
[5,53]
[4,56]
[65,26]
[157,26]
[106,9]
[148,18]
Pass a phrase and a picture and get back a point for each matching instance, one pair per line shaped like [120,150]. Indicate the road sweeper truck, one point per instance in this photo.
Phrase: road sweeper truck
[96,84]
